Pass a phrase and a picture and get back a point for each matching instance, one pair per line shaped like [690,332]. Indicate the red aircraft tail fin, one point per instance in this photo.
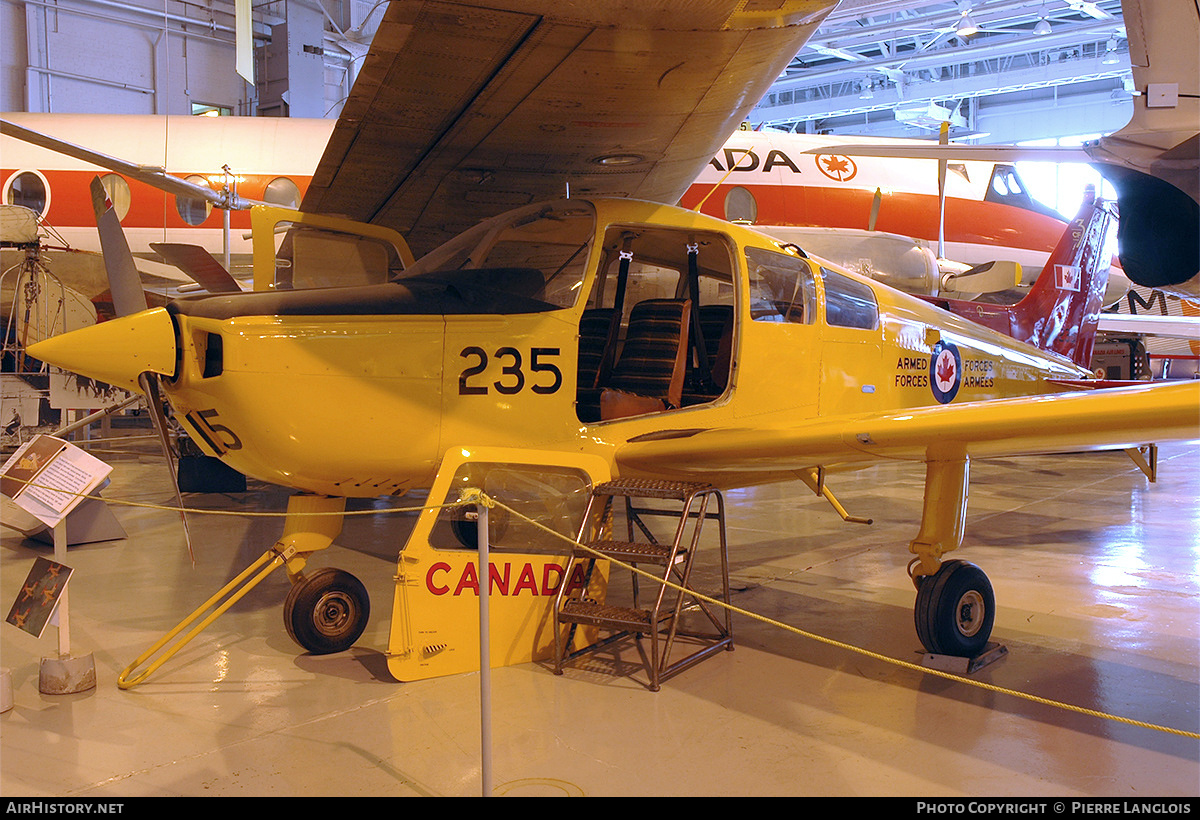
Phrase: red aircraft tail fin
[1062,310]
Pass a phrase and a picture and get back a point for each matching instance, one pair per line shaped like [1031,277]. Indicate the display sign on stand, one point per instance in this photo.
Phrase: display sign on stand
[48,477]
[39,596]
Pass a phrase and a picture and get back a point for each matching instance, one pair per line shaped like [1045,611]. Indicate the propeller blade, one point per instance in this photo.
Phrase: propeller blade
[199,264]
[243,27]
[876,202]
[125,284]
[124,281]
[154,401]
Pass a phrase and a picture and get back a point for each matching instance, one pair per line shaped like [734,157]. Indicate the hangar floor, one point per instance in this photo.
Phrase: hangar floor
[1097,576]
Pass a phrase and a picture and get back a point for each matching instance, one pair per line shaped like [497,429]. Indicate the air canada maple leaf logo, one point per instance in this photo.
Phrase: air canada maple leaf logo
[837,167]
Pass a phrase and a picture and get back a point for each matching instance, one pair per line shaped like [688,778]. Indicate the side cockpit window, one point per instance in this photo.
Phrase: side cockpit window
[848,302]
[781,287]
[1007,188]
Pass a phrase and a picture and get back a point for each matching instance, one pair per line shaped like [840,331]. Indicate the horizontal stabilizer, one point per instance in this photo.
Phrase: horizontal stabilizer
[199,264]
[1178,327]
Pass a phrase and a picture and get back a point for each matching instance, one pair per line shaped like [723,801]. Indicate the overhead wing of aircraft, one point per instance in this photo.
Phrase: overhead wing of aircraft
[461,112]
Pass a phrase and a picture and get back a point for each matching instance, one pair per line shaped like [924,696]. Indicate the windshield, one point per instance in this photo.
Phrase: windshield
[537,253]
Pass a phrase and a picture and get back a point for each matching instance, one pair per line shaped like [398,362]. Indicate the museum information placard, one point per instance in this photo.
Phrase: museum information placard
[48,476]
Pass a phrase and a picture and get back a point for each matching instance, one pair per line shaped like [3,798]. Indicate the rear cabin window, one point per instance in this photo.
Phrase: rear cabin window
[848,302]
[781,287]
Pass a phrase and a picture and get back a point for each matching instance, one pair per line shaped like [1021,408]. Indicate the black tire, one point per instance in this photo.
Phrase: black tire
[955,610]
[327,611]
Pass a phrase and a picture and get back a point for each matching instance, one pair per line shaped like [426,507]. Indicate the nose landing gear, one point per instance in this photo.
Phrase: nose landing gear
[327,611]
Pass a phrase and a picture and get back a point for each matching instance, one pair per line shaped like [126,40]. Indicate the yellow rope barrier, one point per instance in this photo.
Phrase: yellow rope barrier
[855,649]
[474,496]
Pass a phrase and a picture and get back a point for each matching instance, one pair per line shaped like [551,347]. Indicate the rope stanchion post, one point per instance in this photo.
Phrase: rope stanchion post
[482,529]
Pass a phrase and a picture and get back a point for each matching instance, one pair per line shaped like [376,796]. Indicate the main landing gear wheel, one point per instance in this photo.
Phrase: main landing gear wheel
[955,610]
[327,611]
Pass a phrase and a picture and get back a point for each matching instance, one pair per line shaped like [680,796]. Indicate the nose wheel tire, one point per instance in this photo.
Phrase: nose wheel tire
[327,611]
[955,610]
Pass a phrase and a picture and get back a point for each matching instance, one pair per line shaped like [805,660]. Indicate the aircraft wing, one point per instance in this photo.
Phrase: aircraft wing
[1064,422]
[1180,327]
[465,109]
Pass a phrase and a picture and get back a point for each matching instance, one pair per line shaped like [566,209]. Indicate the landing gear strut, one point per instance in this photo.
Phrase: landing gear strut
[955,606]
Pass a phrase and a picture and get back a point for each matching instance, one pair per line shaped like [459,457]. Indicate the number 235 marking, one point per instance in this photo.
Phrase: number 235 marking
[512,375]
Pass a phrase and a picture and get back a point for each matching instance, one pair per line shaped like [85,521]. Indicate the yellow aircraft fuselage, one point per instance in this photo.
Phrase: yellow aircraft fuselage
[349,403]
[575,341]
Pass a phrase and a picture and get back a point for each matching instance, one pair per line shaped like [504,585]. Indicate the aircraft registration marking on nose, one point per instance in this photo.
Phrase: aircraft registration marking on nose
[471,381]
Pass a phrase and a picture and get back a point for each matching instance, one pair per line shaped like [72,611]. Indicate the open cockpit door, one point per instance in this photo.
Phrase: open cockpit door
[658,332]
[435,618]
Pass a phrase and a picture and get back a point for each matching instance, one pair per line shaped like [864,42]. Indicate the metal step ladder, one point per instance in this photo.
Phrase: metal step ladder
[660,620]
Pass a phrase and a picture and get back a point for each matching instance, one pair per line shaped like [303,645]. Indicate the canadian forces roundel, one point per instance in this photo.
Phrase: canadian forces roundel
[945,372]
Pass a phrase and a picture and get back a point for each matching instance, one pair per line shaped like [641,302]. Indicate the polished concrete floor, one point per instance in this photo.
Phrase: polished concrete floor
[1097,577]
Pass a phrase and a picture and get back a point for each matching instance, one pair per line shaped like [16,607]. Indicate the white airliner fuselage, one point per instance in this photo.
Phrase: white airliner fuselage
[765,178]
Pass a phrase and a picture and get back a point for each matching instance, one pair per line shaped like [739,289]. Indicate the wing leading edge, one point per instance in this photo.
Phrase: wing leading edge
[463,110]
[1065,422]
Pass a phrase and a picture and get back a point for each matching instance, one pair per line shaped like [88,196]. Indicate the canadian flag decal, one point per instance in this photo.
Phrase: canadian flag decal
[1066,277]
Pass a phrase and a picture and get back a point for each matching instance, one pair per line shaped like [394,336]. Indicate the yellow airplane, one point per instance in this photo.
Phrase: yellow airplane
[741,361]
[556,345]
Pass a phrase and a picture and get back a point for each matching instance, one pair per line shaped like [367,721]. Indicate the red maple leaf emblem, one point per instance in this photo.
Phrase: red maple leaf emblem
[837,165]
[945,370]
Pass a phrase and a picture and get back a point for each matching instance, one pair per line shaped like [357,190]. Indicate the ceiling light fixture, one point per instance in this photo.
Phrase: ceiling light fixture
[1110,53]
[1042,27]
[966,26]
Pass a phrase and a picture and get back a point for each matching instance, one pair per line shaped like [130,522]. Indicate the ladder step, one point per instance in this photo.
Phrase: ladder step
[649,488]
[609,617]
[628,551]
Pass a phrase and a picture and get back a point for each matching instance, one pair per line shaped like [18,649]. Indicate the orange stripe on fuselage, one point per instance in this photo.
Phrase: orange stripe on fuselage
[149,207]
[907,214]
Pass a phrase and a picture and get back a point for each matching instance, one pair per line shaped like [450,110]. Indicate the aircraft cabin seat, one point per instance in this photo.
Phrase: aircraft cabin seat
[716,323]
[648,375]
[598,329]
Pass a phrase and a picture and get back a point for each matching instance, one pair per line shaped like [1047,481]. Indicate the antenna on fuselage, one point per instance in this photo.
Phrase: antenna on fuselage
[943,139]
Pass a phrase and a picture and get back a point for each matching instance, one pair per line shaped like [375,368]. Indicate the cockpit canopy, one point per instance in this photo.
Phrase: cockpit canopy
[537,253]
